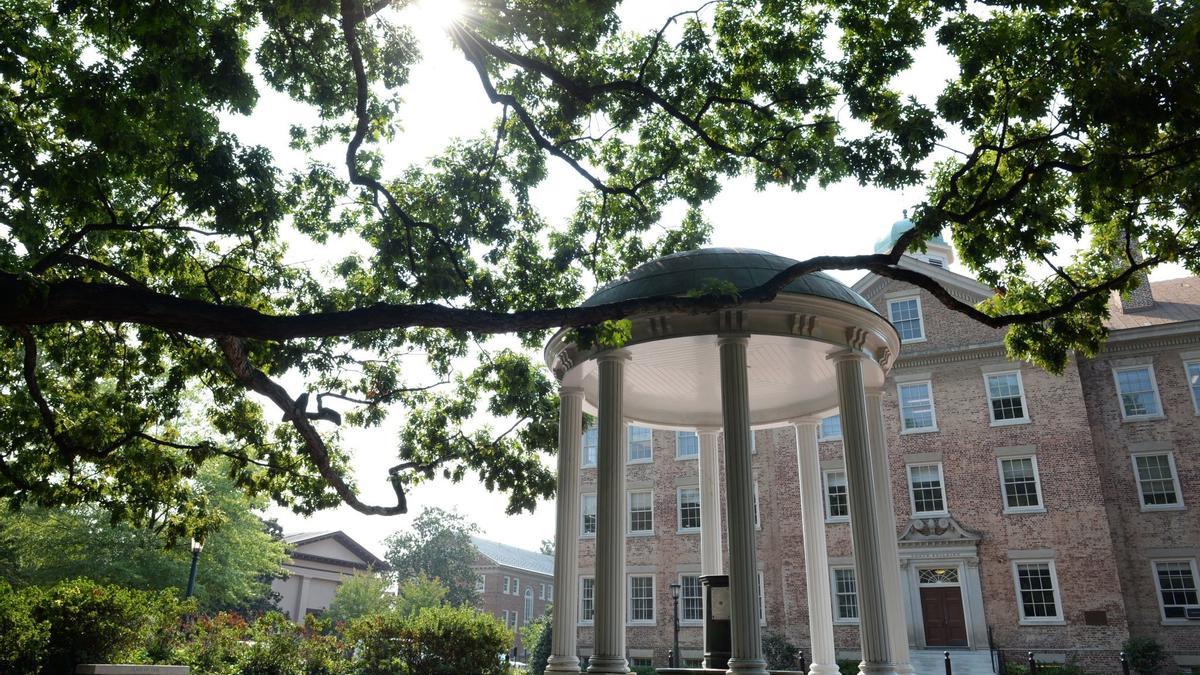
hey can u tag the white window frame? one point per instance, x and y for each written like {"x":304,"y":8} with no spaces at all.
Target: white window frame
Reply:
{"x":920,"y":317}
{"x":829,"y":517}
{"x":821,"y":429}
{"x":687,"y":457}
{"x":762,"y":599}
{"x":1137,"y":479}
{"x":1038,"y":620}
{"x":506,"y":618}
{"x":480,"y":582}
{"x":653,"y":620}
{"x":550,"y":592}
{"x":629,"y":445}
{"x":528,"y":603}
{"x":1153,"y":385}
{"x":583,"y":533}
{"x":690,"y":622}
{"x":629,"y":531}
{"x":757,"y":509}
{"x":987,"y":393}
{"x":837,"y":617}
{"x":1162,"y":609}
{"x":507,"y":585}
{"x":542,"y":592}
{"x":516,"y":586}
{"x":679,"y":528}
{"x":579,"y":620}
{"x":1187,"y":363}
{"x":583,"y":458}
{"x":1037,"y":486}
{"x":932,"y":408}
{"x":912,"y":498}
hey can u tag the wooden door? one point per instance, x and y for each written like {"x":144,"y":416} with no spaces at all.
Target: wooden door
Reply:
{"x":942,"y":610}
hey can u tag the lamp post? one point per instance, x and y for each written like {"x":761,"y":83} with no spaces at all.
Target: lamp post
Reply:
{"x":197,"y":546}
{"x":675,"y":588}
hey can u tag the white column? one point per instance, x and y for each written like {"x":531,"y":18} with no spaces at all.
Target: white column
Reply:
{"x":608,"y":654}
{"x":746,"y":640}
{"x":563,"y":658}
{"x":865,"y":508}
{"x":881,"y":479}
{"x":816,"y":558}
{"x":711,"y":561}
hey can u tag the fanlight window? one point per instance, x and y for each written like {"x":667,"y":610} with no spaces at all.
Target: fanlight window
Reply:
{"x":938,"y":576}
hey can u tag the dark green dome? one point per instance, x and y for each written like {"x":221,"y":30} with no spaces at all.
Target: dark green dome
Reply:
{"x":745,"y":268}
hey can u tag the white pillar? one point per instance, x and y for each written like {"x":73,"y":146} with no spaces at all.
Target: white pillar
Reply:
{"x":816,"y":558}
{"x":746,"y":640}
{"x":881,"y":479}
{"x":711,"y":561}
{"x":563,"y":657}
{"x":608,"y":654}
{"x":865,"y":508}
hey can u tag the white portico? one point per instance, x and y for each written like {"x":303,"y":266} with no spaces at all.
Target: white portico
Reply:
{"x":817,"y":346}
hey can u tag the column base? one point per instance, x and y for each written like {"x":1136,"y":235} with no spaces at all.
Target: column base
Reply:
{"x":608,"y":664}
{"x":905,"y":669}
{"x":877,"y":668}
{"x":563,"y":664}
{"x":747,"y":667}
{"x":823,"y":669}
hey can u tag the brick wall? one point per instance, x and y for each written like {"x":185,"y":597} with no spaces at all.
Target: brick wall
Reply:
{"x":495,"y":601}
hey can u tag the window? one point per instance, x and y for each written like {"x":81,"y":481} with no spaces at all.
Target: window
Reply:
{"x":480,"y":583}
{"x":587,"y":510}
{"x":845,"y":595}
{"x":830,"y":429}
{"x":905,"y":315}
{"x":528,"y":604}
{"x":591,"y":444}
{"x":916,"y":407}
{"x":1019,"y":482}
{"x":640,"y":447}
{"x":1176,"y":581}
{"x":925,"y":489}
{"x":641,"y":512}
{"x":1137,"y":392}
{"x":641,"y":599}
{"x":587,"y":600}
{"x":689,"y":509}
{"x":506,"y":618}
{"x":1037,"y":592}
{"x":936,"y":261}
{"x":516,"y":586}
{"x":1006,"y":398}
{"x":507,"y":584}
{"x":640,"y":662}
{"x":542,"y":592}
{"x":691,"y":599}
{"x":550,"y":592}
{"x":687,"y":444}
{"x":757,"y":522}
{"x":837,"y":501}
{"x":516,"y":618}
{"x":762,"y":601}
{"x":1158,"y":485}
{"x":1193,"y":378}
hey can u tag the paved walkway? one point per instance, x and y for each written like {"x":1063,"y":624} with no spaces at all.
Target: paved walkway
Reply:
{"x":931,"y":662}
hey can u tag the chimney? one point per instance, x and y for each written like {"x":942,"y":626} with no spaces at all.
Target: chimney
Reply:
{"x":1140,"y":297}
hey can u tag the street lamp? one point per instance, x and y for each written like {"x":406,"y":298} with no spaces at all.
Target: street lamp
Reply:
{"x":675,"y":588}
{"x":197,"y":546}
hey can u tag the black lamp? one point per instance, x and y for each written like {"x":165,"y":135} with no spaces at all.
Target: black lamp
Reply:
{"x":675,"y":590}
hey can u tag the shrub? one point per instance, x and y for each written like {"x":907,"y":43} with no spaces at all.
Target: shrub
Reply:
{"x":23,"y":640}
{"x":1146,"y":655}
{"x":778,"y":652}
{"x":437,"y":641}
{"x":213,"y":645}
{"x":643,"y":670}
{"x":360,"y":595}
{"x":274,"y":649}
{"x":848,"y":667}
{"x":540,"y":634}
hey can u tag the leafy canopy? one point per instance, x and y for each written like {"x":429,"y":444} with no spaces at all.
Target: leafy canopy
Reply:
{"x":147,"y":252}
{"x":436,"y":548}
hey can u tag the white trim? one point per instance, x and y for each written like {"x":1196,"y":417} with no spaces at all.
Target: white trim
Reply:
{"x":762,"y":599}
{"x":629,"y":531}
{"x":932,"y":407}
{"x":915,"y":295}
{"x":1153,"y":386}
{"x":629,"y":444}
{"x":987,"y":394}
{"x":629,"y":620}
{"x":912,"y":500}
{"x":1058,"y":607}
{"x":837,"y":618}
{"x":583,"y":533}
{"x":1162,"y":610}
{"x":757,"y":508}
{"x":679,"y":580}
{"x":1189,"y":359}
{"x":1037,"y":485}
{"x":825,"y":488}
{"x":686,"y":457}
{"x":579,"y":620}
{"x":1137,"y":479}
{"x":679,"y":528}
{"x":507,"y":586}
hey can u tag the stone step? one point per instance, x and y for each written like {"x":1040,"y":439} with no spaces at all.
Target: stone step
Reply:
{"x":964,"y":662}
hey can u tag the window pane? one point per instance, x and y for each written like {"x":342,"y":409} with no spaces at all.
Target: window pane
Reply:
{"x":689,"y":508}
{"x":926,"y":485}
{"x":1037,"y":590}
{"x":1177,"y":587}
{"x":639,"y":443}
{"x":1004,"y":393}
{"x":1020,"y":483}
{"x":846,"y":594}
{"x":691,"y":599}
{"x":591,"y":441}
{"x":1156,"y":479}
{"x":831,"y":427}
{"x":641,"y":598}
{"x":587,"y":605}
{"x":906,"y":317}
{"x":641,"y":512}
{"x":588,"y":509}
{"x":916,"y":406}
{"x":687,"y":444}
{"x":1136,"y":390}
{"x":837,"y":501}
{"x":1193,"y":376}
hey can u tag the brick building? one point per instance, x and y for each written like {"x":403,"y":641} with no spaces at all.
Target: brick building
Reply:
{"x":515,"y":585}
{"x":1051,"y":510}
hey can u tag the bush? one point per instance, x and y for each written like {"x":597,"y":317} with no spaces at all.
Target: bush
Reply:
{"x":23,"y":640}
{"x":778,"y":652}
{"x":540,"y":634}
{"x":643,"y":670}
{"x":213,"y":645}
{"x":437,"y":641}
{"x":848,"y":667}
{"x":360,"y":595}
{"x":1145,"y":655}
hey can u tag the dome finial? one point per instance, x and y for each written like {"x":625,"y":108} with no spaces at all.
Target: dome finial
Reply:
{"x":905,"y":212}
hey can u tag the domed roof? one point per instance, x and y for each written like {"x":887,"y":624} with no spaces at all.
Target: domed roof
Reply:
{"x":679,"y":273}
{"x":900,"y":227}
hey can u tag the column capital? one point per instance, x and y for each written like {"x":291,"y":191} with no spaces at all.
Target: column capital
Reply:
{"x":847,"y":355}
{"x":733,"y":339}
{"x":874,"y":392}
{"x":619,"y":355}
{"x":805,"y":420}
{"x":705,"y":431}
{"x":570,"y":392}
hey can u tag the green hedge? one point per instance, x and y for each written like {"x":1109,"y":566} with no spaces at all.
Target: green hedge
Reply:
{"x":437,"y":641}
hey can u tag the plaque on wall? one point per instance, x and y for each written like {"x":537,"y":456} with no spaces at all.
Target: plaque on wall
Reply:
{"x":720,"y":603}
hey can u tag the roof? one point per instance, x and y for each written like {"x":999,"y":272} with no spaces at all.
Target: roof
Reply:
{"x":680,"y":273}
{"x":898,"y":228}
{"x":1175,"y":301}
{"x":517,"y":558}
{"x":373,"y":561}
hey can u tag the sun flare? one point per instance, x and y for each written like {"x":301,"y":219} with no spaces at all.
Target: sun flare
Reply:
{"x":440,"y":13}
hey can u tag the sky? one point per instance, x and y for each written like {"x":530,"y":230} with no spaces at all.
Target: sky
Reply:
{"x":444,"y":100}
